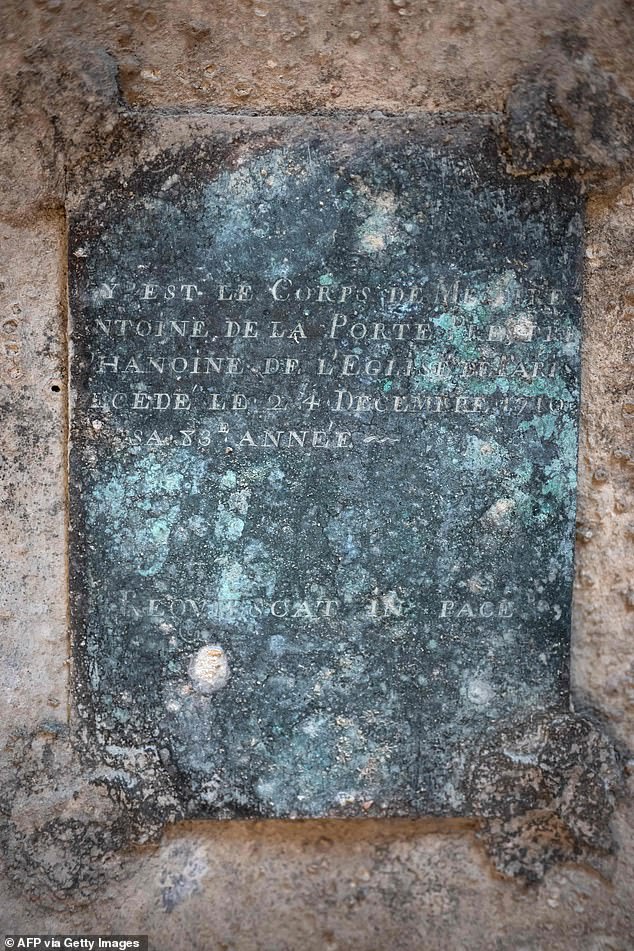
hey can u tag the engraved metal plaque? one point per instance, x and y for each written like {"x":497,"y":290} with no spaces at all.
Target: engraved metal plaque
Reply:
{"x":322,"y":481}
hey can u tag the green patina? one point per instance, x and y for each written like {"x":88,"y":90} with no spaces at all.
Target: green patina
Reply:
{"x":371,"y":572}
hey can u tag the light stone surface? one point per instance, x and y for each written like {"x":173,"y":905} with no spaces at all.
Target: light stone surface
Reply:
{"x":278,"y":885}
{"x":603,"y":604}
{"x":33,"y":643}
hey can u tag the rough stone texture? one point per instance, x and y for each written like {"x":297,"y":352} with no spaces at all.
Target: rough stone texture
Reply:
{"x":569,"y":116}
{"x":34,"y":643}
{"x":338,"y":884}
{"x":545,"y":791}
{"x":603,"y":656}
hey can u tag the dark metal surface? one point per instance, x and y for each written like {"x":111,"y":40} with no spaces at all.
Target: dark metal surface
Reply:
{"x":325,"y":385}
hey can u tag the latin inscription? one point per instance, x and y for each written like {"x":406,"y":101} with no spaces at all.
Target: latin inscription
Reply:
{"x":324,"y":429}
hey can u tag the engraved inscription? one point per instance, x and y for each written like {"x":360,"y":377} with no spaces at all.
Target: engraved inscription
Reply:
{"x":323,"y":467}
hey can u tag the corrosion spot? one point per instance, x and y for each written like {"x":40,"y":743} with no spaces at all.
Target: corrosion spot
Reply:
{"x":209,"y":669}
